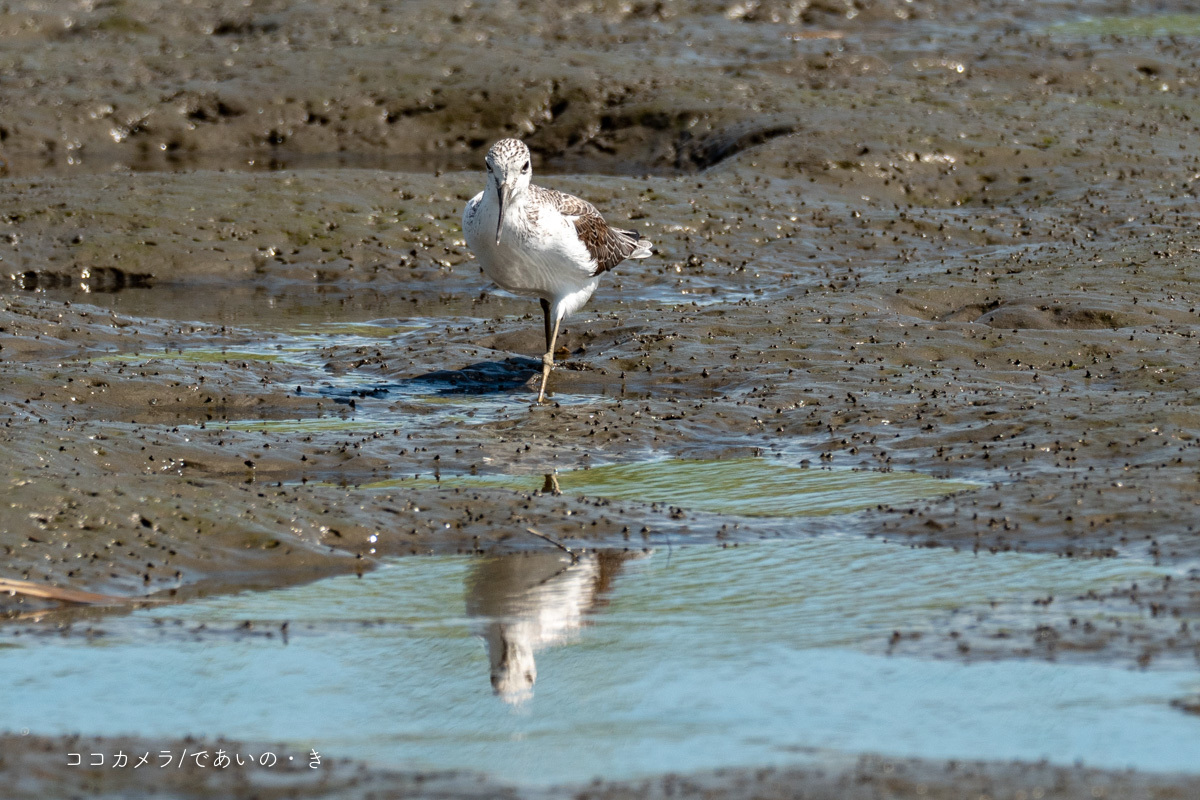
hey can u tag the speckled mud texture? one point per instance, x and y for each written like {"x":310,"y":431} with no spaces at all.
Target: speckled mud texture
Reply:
{"x":866,"y":778}
{"x":958,"y":238}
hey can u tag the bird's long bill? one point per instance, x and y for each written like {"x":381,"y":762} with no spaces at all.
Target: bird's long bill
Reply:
{"x":502,"y":194}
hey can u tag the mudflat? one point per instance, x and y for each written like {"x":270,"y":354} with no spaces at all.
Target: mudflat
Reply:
{"x":952,"y":238}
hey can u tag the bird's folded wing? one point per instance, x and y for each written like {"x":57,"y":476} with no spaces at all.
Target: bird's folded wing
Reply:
{"x":608,"y":246}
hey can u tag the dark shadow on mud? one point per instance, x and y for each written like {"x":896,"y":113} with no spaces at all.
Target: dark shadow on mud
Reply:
{"x":698,"y":154}
{"x":635,"y":145}
{"x":485,"y":377}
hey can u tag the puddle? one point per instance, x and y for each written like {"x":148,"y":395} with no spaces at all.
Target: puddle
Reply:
{"x":752,"y":487}
{"x":306,"y":344}
{"x":1153,"y":25}
{"x":537,"y":670}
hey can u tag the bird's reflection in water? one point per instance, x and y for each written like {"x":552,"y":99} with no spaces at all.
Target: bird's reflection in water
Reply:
{"x":527,"y":602}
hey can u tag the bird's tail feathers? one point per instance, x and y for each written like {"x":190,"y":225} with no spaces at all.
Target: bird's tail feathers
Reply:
{"x":644,"y":249}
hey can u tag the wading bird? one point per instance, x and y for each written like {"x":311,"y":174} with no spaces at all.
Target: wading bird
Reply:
{"x":540,"y":242}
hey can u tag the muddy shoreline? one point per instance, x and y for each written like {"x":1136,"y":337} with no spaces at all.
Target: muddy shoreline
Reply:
{"x":845,"y":778}
{"x":950,"y":239}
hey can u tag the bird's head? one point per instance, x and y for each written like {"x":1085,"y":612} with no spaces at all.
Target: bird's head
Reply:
{"x":509,"y":174}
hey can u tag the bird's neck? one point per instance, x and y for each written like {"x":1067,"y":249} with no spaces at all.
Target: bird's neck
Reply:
{"x":517,"y":200}
{"x":514,"y":208}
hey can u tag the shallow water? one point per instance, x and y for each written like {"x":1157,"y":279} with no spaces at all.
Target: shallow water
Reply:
{"x":752,"y":487}
{"x":268,"y":309}
{"x":1151,"y":25}
{"x":618,"y":665}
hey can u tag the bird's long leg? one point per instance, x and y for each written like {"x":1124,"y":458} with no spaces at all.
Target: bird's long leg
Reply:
{"x":548,"y":360}
{"x":546,"y":319}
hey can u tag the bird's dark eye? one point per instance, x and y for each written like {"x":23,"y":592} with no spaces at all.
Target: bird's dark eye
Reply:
{"x":489,"y":167}
{"x":526,"y":167}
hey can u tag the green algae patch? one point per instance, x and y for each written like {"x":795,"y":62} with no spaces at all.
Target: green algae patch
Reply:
{"x":752,"y":487}
{"x":755,"y":487}
{"x":195,"y":356}
{"x":1155,"y":25}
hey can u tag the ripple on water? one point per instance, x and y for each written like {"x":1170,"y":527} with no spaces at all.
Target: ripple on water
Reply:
{"x":754,"y":487}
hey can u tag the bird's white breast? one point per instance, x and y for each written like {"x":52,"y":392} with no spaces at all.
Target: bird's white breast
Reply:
{"x":540,"y":253}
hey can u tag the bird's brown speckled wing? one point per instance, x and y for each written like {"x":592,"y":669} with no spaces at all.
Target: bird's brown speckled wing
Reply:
{"x":608,"y":246}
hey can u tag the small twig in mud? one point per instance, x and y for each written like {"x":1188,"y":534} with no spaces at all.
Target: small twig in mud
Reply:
{"x":574,"y":556}
{"x":31,"y":589}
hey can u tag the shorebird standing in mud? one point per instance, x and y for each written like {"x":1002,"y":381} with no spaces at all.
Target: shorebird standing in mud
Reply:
{"x":540,"y":242}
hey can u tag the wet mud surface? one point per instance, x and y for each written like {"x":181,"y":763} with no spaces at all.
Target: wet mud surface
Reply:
{"x":954,"y":239}
{"x":866,"y":777}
